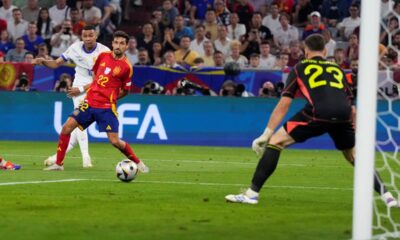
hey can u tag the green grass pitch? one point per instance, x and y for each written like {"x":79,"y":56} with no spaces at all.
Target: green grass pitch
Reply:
{"x":308,"y":197}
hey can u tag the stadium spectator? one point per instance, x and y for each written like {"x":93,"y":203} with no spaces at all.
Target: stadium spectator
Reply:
{"x":315,"y":26}
{"x":347,"y":26}
{"x":386,"y":7}
{"x":197,"y":43}
{"x":340,"y":58}
{"x":235,"y":30}
{"x":106,"y":26}
{"x":300,"y":13}
{"x":169,"y":13}
{"x":352,"y":49}
{"x":188,"y":13}
{"x":169,"y":44}
{"x":392,"y":28}
{"x":256,"y":23}
{"x":2,"y":57}
{"x":5,"y":42}
{"x":272,"y":20}
{"x":395,"y":41}
{"x":6,"y":11}
{"x":267,"y":60}
{"x":18,"y":27}
{"x":245,"y":10}
{"x":155,"y":20}
{"x":143,"y":58}
{"x":7,"y":165}
{"x":219,"y":59}
{"x":285,"y":5}
{"x":22,"y":83}
{"x":333,"y":11}
{"x":228,"y":89}
{"x":91,"y":14}
{"x":296,"y":54}
{"x":222,"y":12}
{"x":17,"y":54}
{"x":170,"y":60}
{"x":281,"y":63}
{"x":132,"y":52}
{"x":330,"y":44}
{"x":252,"y":43}
{"x":181,"y":29}
{"x":59,"y":13}
{"x":31,"y":39}
{"x":211,"y":25}
{"x":31,"y":10}
{"x":29,"y":56}
{"x":267,"y":90}
{"x":76,"y":21}
{"x":146,"y":39}
{"x":63,"y":39}
{"x":208,"y":56}
{"x":235,"y":55}
{"x":43,"y":51}
{"x":199,"y":8}
{"x":198,"y":63}
{"x":64,"y":83}
{"x":184,"y":56}
{"x":254,"y":61}
{"x":45,"y":25}
{"x":3,"y":24}
{"x":157,"y":54}
{"x":285,"y":33}
{"x":222,"y":44}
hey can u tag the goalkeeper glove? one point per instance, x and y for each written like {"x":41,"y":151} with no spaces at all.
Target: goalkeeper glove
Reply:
{"x":259,"y":144}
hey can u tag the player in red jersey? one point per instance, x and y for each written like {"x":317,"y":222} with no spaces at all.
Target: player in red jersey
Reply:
{"x":112,"y":81}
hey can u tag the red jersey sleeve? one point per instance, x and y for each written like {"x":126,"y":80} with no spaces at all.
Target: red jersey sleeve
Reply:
{"x":127,"y":81}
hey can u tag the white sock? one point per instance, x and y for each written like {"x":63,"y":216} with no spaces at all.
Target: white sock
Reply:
{"x":250,"y":193}
{"x":83,"y":141}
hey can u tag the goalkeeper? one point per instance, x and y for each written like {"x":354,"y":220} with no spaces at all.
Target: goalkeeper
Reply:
{"x":329,"y":109}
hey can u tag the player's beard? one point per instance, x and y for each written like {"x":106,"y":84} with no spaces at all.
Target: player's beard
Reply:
{"x":118,"y":53}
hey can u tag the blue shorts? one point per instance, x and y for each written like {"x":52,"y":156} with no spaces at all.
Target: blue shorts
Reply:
{"x":105,"y":118}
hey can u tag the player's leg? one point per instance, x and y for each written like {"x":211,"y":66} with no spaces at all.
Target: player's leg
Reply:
{"x":7,"y":165}
{"x":126,"y":150}
{"x":81,"y":118}
{"x":108,"y":122}
{"x":379,"y":187}
{"x":298,"y":129}
{"x":343,"y":136}
{"x":82,"y":137}
{"x":72,"y":142}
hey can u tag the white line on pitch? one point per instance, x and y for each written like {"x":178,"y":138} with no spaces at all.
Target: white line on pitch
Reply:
{"x":41,"y":182}
{"x":176,"y":183}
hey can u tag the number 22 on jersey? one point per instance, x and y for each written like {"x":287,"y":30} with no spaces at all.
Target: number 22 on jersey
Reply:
{"x":314,"y":71}
{"x":102,"y":80}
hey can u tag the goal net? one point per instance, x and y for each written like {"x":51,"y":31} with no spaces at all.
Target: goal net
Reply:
{"x":386,"y":221}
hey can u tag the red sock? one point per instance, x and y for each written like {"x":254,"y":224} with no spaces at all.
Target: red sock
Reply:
{"x":128,"y":152}
{"x":63,"y":142}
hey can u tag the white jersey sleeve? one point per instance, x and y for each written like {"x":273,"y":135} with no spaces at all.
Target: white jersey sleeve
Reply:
{"x":84,"y":61}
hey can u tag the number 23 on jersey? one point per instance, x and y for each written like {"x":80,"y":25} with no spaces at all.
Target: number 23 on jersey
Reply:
{"x":315,"y":71}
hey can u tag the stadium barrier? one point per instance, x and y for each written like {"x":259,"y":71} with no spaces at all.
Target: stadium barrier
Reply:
{"x":183,"y":120}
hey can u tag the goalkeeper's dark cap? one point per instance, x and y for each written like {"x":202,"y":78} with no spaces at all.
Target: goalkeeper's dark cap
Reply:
{"x":315,"y":42}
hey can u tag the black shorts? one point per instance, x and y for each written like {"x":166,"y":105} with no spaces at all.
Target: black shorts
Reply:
{"x":300,"y":128}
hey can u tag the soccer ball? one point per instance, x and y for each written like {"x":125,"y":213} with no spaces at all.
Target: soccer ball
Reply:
{"x":126,"y":170}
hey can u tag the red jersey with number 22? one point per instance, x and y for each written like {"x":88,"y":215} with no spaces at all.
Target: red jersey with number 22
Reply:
{"x":110,"y":76}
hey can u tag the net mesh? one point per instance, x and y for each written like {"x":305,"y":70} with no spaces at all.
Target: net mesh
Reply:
{"x":386,"y":223}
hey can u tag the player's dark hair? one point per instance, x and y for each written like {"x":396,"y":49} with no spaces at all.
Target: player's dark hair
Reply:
{"x":89,"y":27}
{"x":315,"y":42}
{"x":121,"y":34}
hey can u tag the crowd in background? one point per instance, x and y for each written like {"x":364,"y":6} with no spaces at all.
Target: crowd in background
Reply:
{"x":255,"y":34}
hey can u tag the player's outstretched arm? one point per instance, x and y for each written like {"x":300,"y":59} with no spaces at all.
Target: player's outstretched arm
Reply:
{"x":49,"y":63}
{"x":276,"y":118}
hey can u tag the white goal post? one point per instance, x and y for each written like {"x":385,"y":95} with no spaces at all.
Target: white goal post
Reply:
{"x":366,"y":119}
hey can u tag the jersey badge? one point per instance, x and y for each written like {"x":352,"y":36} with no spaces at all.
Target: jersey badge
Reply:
{"x":103,"y":64}
{"x":116,"y":71}
{"x":107,"y":70}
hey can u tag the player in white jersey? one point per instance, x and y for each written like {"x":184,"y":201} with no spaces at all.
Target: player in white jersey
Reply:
{"x":83,"y":54}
